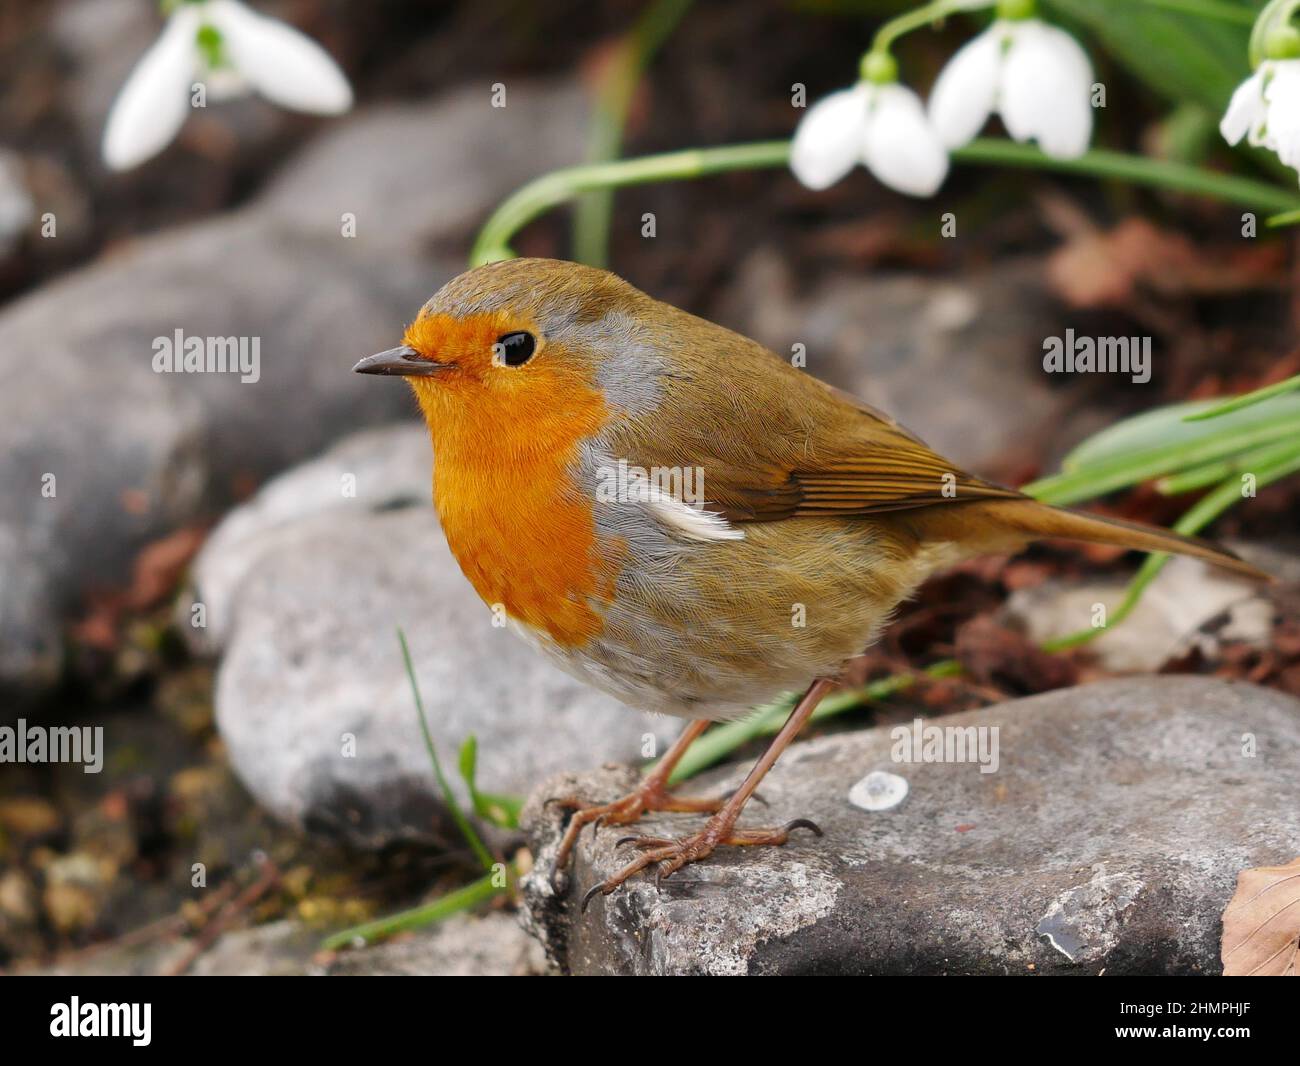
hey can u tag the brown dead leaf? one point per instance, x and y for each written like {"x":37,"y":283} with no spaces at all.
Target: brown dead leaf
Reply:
{"x":160,"y":564}
{"x":1102,"y":268}
{"x":154,"y":575}
{"x":995,"y":655}
{"x":1261,"y":925}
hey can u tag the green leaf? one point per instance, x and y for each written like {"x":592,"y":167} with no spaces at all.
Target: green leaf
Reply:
{"x":469,"y":761}
{"x":1247,"y":400}
{"x":458,"y":816}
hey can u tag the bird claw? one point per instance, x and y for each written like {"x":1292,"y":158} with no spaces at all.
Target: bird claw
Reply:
{"x":669,"y":856}
{"x":590,"y":895}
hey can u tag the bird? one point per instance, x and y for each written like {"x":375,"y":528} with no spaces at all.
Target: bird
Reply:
{"x":679,"y":517}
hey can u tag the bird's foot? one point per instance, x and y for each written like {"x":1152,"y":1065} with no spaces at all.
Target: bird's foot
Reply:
{"x":650,"y":795}
{"x":671,"y":855}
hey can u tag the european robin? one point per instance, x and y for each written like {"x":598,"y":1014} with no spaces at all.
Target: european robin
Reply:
{"x":679,"y":517}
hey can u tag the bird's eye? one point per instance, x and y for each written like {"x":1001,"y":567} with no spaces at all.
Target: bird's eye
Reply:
{"x":514,"y":349}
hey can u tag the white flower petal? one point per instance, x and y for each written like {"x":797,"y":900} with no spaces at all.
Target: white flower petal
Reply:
{"x":153,"y":104}
{"x":1047,"y":89}
{"x":285,"y":66}
{"x":900,"y":146}
{"x":226,"y":83}
{"x":1245,"y":109}
{"x":828,"y":140}
{"x":1282,"y":124}
{"x":966,"y":90}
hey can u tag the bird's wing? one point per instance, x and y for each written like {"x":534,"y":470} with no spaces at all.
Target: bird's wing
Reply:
{"x":876,"y":470}
{"x":771,"y":442}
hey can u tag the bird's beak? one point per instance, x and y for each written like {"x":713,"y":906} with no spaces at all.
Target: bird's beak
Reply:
{"x":402,"y":360}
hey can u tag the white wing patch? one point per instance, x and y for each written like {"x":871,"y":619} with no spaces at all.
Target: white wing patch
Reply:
{"x":690,"y":521}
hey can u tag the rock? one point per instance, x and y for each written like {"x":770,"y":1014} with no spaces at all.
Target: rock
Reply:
{"x":941,"y":356}
{"x":305,"y":588}
{"x":1108,"y":839}
{"x":17,"y":210}
{"x":493,"y":945}
{"x":1188,"y":603}
{"x":375,"y":470}
{"x":100,"y":454}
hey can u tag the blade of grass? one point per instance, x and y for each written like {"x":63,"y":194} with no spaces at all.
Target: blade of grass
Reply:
{"x":1205,"y":511}
{"x":1248,"y":399}
{"x":605,"y":135}
{"x":462,"y":899}
{"x":1247,"y":462}
{"x":1127,"y":470}
{"x":722,"y":740}
{"x":458,"y":816}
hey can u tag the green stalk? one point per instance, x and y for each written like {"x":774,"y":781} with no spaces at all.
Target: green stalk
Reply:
{"x":605,"y":136}
{"x":467,"y":831}
{"x":1107,"y":476}
{"x":1276,"y":15}
{"x":1286,"y":218}
{"x":1199,"y":477}
{"x":462,"y":899}
{"x":547,"y":191}
{"x":721,"y":741}
{"x":1136,"y":169}
{"x":1205,"y":511}
{"x":1247,"y":400}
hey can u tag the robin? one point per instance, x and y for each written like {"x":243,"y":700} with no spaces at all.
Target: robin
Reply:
{"x":679,"y":517}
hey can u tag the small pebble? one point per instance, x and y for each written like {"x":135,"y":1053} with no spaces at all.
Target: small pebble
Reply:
{"x":878,"y":791}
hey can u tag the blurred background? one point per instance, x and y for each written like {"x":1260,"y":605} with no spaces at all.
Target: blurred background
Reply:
{"x":263,"y":781}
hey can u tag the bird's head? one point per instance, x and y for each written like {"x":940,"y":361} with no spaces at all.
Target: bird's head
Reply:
{"x":533,"y":353}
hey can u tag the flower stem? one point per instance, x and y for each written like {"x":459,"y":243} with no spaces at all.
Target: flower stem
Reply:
{"x":1136,"y":169}
{"x":919,"y":18}
{"x":559,"y":186}
{"x":605,"y":135}
{"x":1277,"y":14}
{"x":545,"y":192}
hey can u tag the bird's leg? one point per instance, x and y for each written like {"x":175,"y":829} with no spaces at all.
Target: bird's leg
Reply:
{"x":672,"y":855}
{"x":651,"y":795}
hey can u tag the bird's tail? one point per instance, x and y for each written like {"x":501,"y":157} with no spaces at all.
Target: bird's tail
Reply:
{"x":1007,"y":525}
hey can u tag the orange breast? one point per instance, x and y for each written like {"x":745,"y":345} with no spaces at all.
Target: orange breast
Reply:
{"x":520,"y":526}
{"x":526,"y":539}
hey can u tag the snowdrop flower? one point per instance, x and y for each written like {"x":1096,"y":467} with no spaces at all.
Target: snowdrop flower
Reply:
{"x":1037,"y":77}
{"x":1266,"y":110}
{"x":879,"y":124}
{"x":234,"y":50}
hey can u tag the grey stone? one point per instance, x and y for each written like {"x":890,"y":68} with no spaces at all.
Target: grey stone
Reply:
{"x":959,"y":361}
{"x":1188,"y":604}
{"x":492,"y":945}
{"x":136,"y":453}
{"x":375,"y":470}
{"x":1109,"y":838}
{"x":305,"y":589}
